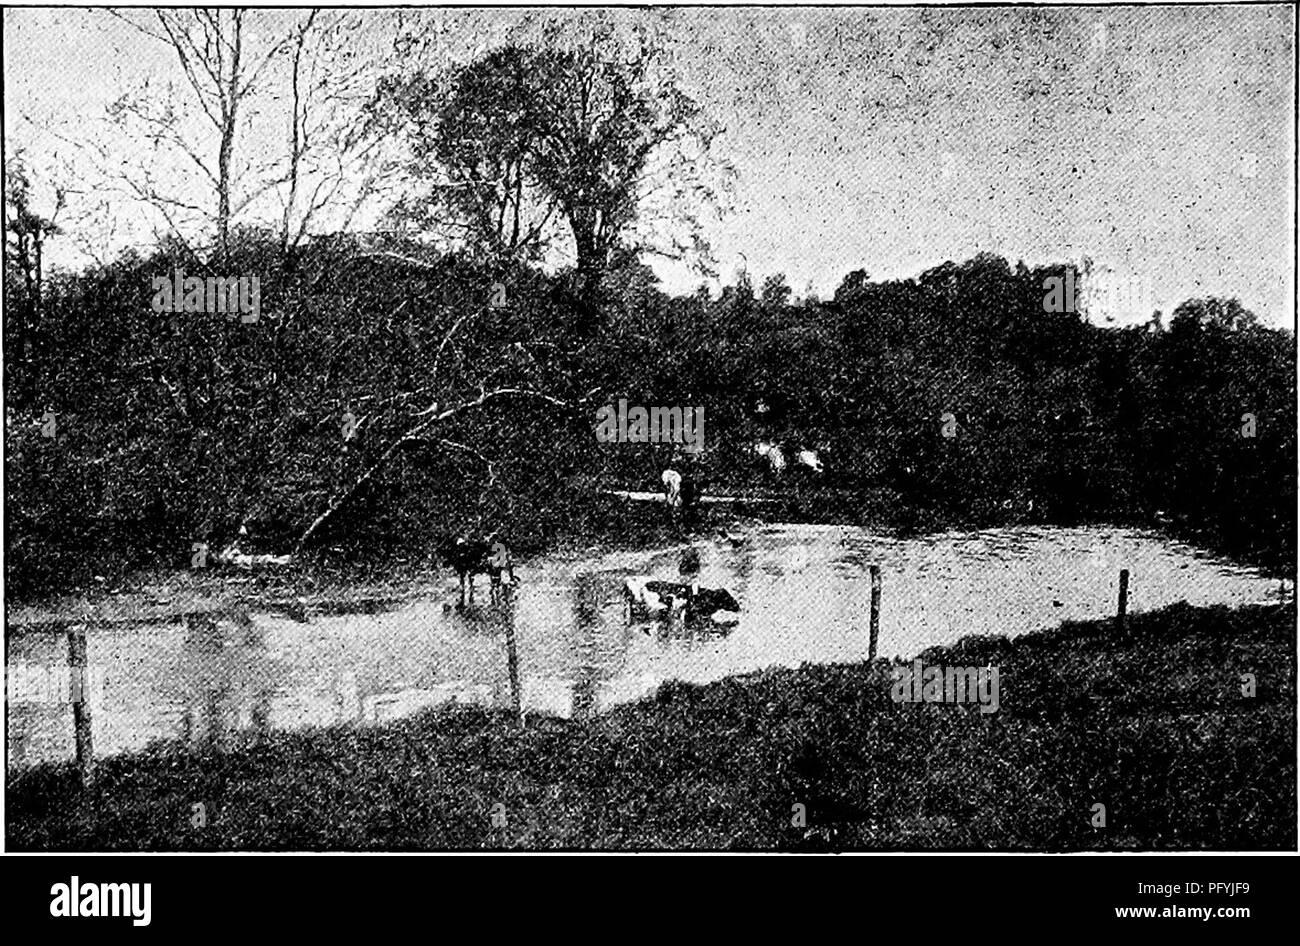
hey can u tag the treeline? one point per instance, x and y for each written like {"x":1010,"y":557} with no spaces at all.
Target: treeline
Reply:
{"x":960,"y":397}
{"x":395,"y":389}
{"x":171,"y":429}
{"x":388,"y":396}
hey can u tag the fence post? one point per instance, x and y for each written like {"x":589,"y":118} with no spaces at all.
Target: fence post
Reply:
{"x":79,"y":686}
{"x":1123,"y":599}
{"x":875,"y":611}
{"x":512,"y":664}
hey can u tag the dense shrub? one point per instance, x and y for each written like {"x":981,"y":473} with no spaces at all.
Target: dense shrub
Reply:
{"x":176,"y":427}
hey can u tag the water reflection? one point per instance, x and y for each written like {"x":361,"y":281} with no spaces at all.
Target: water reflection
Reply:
{"x":504,"y":614}
{"x":586,"y":620}
{"x":560,"y":644}
{"x":224,"y":686}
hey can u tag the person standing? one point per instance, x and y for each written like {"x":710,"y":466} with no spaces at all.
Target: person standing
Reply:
{"x":689,"y":570}
{"x":672,"y":481}
{"x":500,"y":568}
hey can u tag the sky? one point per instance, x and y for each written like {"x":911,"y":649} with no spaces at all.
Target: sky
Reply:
{"x":1156,"y":141}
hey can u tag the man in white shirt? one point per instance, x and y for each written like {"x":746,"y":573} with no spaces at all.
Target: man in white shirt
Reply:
{"x":673,"y":489}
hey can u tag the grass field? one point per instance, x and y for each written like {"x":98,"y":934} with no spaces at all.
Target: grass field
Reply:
{"x":1152,"y":725}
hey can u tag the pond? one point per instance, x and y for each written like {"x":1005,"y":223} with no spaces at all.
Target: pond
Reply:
{"x":215,"y":678}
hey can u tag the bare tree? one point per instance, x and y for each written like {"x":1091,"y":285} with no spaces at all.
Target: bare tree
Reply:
{"x":333,"y":155}
{"x":222,"y":75}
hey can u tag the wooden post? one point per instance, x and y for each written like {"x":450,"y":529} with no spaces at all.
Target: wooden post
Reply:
{"x":79,"y":687}
{"x":512,"y":665}
{"x":875,"y":611}
{"x":1123,"y":599}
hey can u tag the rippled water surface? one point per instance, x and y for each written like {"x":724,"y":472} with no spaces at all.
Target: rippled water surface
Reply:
{"x":804,"y":591}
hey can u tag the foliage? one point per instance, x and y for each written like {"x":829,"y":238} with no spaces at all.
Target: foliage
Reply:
{"x":173,"y":428}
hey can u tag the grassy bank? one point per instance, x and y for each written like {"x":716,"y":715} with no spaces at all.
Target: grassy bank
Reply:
{"x":1153,"y":726}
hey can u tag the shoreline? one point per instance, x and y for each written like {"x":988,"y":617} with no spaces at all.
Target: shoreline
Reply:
{"x":368,"y":576}
{"x":1135,"y":722}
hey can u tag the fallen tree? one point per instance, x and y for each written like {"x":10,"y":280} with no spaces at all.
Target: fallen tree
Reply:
{"x":432,"y":417}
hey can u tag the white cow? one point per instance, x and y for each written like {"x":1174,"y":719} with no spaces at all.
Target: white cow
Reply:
{"x":772,"y":453}
{"x":810,"y":459}
{"x":656,"y":598}
{"x":670,"y":600}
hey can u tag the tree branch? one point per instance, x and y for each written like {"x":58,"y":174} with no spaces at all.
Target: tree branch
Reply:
{"x":414,"y":434}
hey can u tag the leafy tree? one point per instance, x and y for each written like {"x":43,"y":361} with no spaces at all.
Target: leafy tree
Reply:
{"x":474,"y":138}
{"x":776,"y":292}
{"x":599,"y":136}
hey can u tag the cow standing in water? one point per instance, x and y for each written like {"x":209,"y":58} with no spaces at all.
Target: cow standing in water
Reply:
{"x":468,"y":556}
{"x":773,"y":454}
{"x":810,"y":459}
{"x":806,"y":458}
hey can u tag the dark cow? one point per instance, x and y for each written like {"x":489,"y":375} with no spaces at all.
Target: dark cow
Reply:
{"x":468,"y":556}
{"x":708,"y":601}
